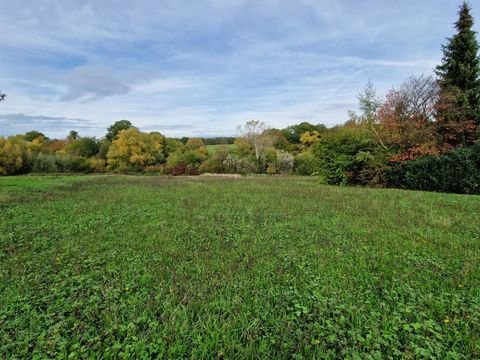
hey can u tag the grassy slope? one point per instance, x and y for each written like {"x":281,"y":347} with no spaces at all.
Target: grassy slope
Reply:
{"x":213,"y":148}
{"x":269,"y":267}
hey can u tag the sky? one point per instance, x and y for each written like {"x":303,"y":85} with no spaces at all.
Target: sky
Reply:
{"x":204,"y":67}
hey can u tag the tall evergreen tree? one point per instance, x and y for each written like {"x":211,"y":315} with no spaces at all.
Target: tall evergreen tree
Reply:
{"x":459,"y":80}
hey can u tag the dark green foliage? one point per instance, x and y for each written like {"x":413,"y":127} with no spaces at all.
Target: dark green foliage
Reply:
{"x":121,"y":267}
{"x":44,"y":163}
{"x":60,"y":163}
{"x":85,"y":146}
{"x":118,"y":126}
{"x":460,"y":68}
{"x":348,"y":156}
{"x":455,"y":172}
{"x":223,"y":140}
{"x":216,"y":161}
{"x":71,"y":164}
{"x":103,"y":146}
{"x":32,"y":135}
{"x":292,"y":133}
{"x":72,"y":135}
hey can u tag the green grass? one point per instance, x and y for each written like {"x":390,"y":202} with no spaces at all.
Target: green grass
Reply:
{"x":158,"y":267}
{"x":213,"y":148}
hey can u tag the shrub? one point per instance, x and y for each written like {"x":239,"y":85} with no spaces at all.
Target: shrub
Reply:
{"x":285,"y":162}
{"x":456,"y":172}
{"x":43,"y":163}
{"x":215,"y":163}
{"x":344,"y":154}
{"x":97,"y":165}
{"x":154,"y":170}
{"x":186,"y":160}
{"x":306,"y":163}
{"x":67,"y":163}
{"x":272,"y":170}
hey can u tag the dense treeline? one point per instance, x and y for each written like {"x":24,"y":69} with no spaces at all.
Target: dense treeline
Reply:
{"x":422,"y":135}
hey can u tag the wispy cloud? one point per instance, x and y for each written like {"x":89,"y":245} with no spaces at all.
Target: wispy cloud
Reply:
{"x":19,"y":123}
{"x":203,"y":67}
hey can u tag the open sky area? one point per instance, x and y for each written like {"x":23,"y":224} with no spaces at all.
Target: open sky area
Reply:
{"x":203,"y":67}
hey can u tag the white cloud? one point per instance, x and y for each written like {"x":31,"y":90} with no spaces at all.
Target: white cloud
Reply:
{"x":91,"y":82}
{"x":203,"y":67}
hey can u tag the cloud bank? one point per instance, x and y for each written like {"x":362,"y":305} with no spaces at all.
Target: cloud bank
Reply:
{"x":200,"y":68}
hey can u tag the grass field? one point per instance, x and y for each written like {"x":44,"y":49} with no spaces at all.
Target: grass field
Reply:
{"x":145,"y":267}
{"x":213,"y":148}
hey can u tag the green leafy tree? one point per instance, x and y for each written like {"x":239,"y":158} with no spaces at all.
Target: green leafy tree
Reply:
{"x":293,"y":132}
{"x":459,"y":77}
{"x":116,"y":127}
{"x":72,"y":135}
{"x":34,"y":134}
{"x":85,"y":146}
{"x":349,"y":156}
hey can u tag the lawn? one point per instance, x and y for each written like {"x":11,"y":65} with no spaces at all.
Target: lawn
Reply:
{"x":267,"y":267}
{"x":212,"y":149}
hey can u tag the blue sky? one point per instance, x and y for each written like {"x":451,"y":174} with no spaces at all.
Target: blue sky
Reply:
{"x":203,"y":67}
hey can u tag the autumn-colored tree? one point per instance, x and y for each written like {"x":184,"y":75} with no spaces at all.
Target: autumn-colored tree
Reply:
{"x":186,"y":160}
{"x":402,"y":129}
{"x":195,"y":143}
{"x":55,"y":146}
{"x":11,"y":155}
{"x":405,"y":120}
{"x":38,"y":144}
{"x":308,"y":138}
{"x":132,"y":150}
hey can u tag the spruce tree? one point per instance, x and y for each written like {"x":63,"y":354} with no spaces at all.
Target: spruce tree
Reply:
{"x":459,"y":73}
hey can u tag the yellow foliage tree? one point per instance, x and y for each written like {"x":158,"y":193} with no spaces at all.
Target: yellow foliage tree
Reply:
{"x":11,"y":159}
{"x":195,"y":143}
{"x":133,"y":150}
{"x":308,"y":138}
{"x":37,"y":144}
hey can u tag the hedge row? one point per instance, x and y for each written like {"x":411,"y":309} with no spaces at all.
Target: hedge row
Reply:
{"x":455,"y":172}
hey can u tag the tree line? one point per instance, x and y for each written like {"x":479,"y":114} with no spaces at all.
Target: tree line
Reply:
{"x":424,"y":134}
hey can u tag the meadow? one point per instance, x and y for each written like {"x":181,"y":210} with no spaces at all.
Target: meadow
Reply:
{"x":254,"y":267}
{"x":212,"y":149}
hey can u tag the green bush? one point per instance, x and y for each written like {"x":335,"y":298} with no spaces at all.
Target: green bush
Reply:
{"x":349,"y":156}
{"x":43,"y":163}
{"x":76,"y":164}
{"x":455,"y":172}
{"x":85,"y":147}
{"x":306,"y":163}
